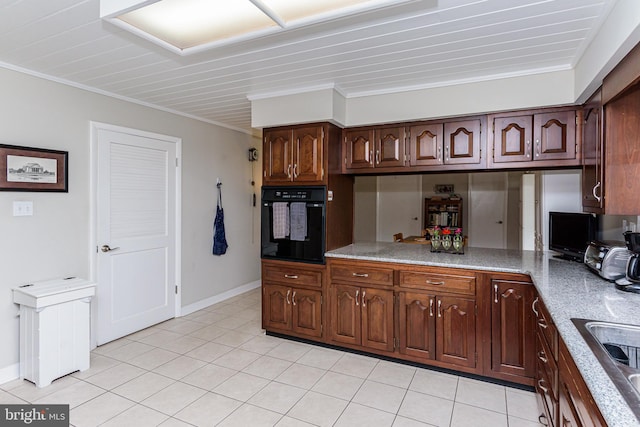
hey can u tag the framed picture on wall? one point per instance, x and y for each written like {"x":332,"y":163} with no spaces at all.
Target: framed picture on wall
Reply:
{"x":33,"y":169}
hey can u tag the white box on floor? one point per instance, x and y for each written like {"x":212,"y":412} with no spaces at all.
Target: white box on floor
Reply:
{"x":55,"y":320}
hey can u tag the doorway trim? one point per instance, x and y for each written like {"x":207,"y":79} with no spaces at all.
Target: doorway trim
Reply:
{"x":95,"y":127}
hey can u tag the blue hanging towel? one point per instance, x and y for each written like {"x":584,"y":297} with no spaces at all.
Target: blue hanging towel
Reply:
{"x":219,"y":239}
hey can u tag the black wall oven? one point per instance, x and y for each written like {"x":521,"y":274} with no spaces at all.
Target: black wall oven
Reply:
{"x":293,"y":223}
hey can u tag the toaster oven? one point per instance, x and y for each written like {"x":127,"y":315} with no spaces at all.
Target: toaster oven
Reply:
{"x":607,"y":258}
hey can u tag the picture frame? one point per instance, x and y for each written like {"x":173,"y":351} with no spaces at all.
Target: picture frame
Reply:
{"x":33,"y":169}
{"x":443,"y":188}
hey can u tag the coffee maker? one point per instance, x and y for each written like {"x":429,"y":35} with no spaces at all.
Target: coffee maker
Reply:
{"x":631,"y":283}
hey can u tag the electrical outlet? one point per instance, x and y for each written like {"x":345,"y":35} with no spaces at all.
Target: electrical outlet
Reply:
{"x":21,"y":208}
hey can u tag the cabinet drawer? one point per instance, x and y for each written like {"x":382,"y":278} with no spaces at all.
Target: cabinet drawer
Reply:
{"x":291,"y":276}
{"x":438,"y":282}
{"x":545,"y":327}
{"x":356,"y":273}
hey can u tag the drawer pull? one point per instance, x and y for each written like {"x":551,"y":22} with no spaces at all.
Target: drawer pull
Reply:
{"x":543,"y":388}
{"x":288,"y":293}
{"x":542,"y":356}
{"x":533,"y":307}
{"x":290,"y":276}
{"x":430,"y":282}
{"x":357,"y":294}
{"x":360,"y":275}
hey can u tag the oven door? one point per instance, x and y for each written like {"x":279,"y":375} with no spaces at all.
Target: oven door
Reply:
{"x":311,"y":249}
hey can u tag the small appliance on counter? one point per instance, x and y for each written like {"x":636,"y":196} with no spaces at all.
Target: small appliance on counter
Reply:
{"x":631,"y":282}
{"x":608,"y":258}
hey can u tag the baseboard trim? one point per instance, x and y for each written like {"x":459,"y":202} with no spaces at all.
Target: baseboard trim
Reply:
{"x":10,"y":373}
{"x":191,"y":308}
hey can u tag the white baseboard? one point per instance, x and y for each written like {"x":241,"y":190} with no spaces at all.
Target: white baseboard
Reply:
{"x":10,"y":373}
{"x":191,"y":308}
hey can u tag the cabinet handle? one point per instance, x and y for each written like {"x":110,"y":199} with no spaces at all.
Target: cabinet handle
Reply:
{"x":528,"y":148}
{"x":357,"y":293}
{"x":377,"y":157}
{"x":429,"y":282}
{"x":533,"y":307}
{"x":431,"y":307}
{"x":543,"y":324}
{"x":360,"y":274}
{"x":371,"y":156}
{"x":543,"y":388}
{"x":293,"y":298}
{"x":537,"y":147}
{"x":289,"y":171}
{"x":290,"y":276}
{"x":439,"y":308}
{"x":362,"y":299}
{"x":595,"y":187}
{"x":295,"y":171}
{"x":288,"y":293}
{"x":542,"y":356}
{"x":440,"y":154}
{"x":495,"y":293}
{"x":446,"y":150}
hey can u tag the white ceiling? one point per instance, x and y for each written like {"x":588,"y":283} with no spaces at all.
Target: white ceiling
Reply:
{"x":423,"y":43}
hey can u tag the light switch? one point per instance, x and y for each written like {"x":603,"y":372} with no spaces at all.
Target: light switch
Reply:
{"x":22,"y":208}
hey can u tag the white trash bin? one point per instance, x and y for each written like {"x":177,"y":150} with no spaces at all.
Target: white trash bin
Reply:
{"x":55,"y":320}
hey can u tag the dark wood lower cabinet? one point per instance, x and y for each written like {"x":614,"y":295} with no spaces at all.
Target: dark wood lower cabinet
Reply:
{"x":417,"y":325}
{"x":362,"y":317}
{"x":292,"y":310}
{"x":456,"y":331}
{"x":512,"y":329}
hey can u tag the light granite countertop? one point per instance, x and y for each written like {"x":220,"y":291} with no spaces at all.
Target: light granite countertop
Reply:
{"x":567,"y":288}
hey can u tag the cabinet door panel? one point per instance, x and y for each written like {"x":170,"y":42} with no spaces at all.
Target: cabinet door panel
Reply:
{"x":345,"y":314}
{"x":390,"y":147}
{"x":417,"y":325}
{"x":456,"y":331}
{"x":307,"y":153}
{"x":359,"y":149}
{"x":555,"y":135}
{"x":512,"y":139}
{"x":512,"y":328}
{"x":425,"y":145}
{"x":306,"y":306}
{"x":592,"y":200}
{"x":377,"y":318}
{"x":462,"y":142}
{"x":276,"y":307}
{"x":277,"y":156}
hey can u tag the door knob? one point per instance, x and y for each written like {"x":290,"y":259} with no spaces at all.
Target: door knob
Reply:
{"x":106,"y":248}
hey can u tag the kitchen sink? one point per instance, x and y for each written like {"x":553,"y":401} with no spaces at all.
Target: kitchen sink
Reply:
{"x":617,"y":348}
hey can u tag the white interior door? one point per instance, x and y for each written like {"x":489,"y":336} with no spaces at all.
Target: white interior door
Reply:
{"x":488,"y":210}
{"x":399,"y":206}
{"x":136,"y":231}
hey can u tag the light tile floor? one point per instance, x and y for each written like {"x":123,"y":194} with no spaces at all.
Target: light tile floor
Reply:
{"x":216,"y":367}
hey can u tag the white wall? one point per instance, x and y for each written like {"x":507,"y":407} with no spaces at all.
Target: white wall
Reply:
{"x":561,"y":192}
{"x":54,"y":242}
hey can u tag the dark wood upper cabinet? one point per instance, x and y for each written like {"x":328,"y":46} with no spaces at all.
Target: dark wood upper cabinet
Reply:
{"x":592,"y":156}
{"x":462,"y":142}
{"x":377,"y":147}
{"x":544,"y":138}
{"x":294,"y":155}
{"x":389,"y":147}
{"x":359,"y":149}
{"x":426,"y":144}
{"x":276,"y":159}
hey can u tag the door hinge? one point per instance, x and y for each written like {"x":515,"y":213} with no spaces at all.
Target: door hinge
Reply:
{"x":177,"y":162}
{"x":476,"y":309}
{"x":476,"y":358}
{"x":396,"y":343}
{"x":176,"y":289}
